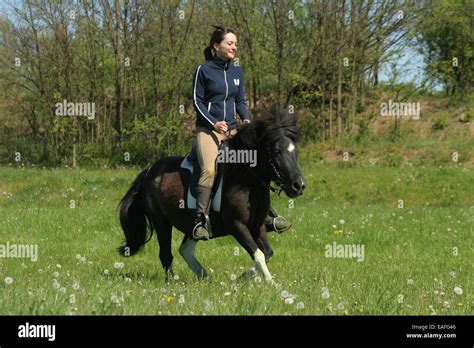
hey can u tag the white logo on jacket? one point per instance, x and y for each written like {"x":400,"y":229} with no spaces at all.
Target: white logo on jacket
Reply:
{"x":236,"y":82}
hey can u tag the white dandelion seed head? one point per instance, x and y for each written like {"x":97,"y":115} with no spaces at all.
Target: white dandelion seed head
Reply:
{"x":114,"y":299}
{"x":325,"y":295}
{"x":285,"y":294}
{"x":436,"y":292}
{"x":400,"y":298}
{"x":76,"y":285}
{"x":176,"y":277}
{"x":78,"y":256}
{"x":233,"y":277}
{"x":452,"y":274}
{"x":334,"y":226}
{"x":8,"y":280}
{"x":300,"y":305}
{"x":410,"y":281}
{"x":342,"y":222}
{"x":56,"y":285}
{"x":119,"y":265}
{"x":106,"y":271}
{"x":458,"y":290}
{"x":257,"y":279}
{"x":63,"y":290}
{"x":56,"y":274}
{"x":83,"y":259}
{"x":289,"y":300}
{"x":72,"y":298}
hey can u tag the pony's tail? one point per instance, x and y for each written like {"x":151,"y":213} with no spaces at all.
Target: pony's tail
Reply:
{"x":133,"y":217}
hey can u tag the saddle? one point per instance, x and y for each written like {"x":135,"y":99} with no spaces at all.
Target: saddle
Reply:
{"x":191,"y":163}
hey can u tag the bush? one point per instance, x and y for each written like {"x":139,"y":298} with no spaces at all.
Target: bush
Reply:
{"x":441,"y":122}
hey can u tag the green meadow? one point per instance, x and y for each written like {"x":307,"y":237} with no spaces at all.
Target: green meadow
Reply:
{"x":413,"y":223}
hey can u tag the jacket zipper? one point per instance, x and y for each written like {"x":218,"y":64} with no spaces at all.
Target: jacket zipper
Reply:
{"x":226,"y":91}
{"x":209,"y":106}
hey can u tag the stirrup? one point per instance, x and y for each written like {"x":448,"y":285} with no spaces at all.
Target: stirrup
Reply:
{"x":283,"y":229}
{"x":203,"y":225}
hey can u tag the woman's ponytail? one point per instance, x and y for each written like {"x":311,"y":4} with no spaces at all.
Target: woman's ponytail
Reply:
{"x":208,"y":53}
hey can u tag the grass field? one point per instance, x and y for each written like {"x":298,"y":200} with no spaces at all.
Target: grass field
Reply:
{"x":414,"y":222}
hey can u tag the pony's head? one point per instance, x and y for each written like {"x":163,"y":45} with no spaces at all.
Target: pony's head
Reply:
{"x":274,"y":135}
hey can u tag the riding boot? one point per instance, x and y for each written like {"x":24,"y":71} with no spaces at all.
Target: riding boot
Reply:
{"x":203,"y":203}
{"x":275,"y":222}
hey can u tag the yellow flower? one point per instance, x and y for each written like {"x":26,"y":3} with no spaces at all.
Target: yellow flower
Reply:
{"x":169,"y":298}
{"x":338,"y":232}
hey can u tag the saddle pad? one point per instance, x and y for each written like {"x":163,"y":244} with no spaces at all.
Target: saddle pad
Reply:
{"x":195,"y":170}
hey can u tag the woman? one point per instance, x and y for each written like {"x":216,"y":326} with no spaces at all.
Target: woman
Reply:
{"x":219,"y":95}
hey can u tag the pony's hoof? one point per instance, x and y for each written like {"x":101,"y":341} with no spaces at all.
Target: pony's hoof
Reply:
{"x":250,"y":273}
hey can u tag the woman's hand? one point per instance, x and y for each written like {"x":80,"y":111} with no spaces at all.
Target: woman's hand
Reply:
{"x":221,"y":127}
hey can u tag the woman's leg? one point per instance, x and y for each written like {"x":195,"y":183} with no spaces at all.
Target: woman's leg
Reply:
{"x":207,"y":146}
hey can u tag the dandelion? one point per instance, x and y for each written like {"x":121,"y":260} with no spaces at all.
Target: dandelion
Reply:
{"x":300,"y":305}
{"x":106,"y":271}
{"x":289,"y":300}
{"x":114,"y":299}
{"x":257,"y":279}
{"x":400,"y":298}
{"x":436,"y":292}
{"x":176,"y":277}
{"x":334,"y":226}
{"x":446,"y":304}
{"x":342,"y":222}
{"x":128,"y":280}
{"x":76,"y":285}
{"x":78,"y":257}
{"x":56,"y":274}
{"x":8,"y":280}
{"x":58,"y":265}
{"x":227,"y":293}
{"x":119,"y":265}
{"x":63,"y":290}
{"x":181,"y":299}
{"x":72,"y":299}
{"x":83,"y":259}
{"x":56,"y":285}
{"x":326,"y":295}
{"x":410,"y":281}
{"x":458,"y":290}
{"x":452,"y":274}
{"x":340,"y":306}
{"x":233,"y":277}
{"x":285,"y":294}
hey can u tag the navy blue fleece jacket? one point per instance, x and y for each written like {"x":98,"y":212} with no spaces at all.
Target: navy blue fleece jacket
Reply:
{"x":219,"y":93}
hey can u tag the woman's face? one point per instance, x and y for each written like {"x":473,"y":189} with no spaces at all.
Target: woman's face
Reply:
{"x":228,"y":47}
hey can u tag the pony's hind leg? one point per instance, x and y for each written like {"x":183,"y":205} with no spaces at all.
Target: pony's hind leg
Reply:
{"x":188,"y":252}
{"x":163,"y":231}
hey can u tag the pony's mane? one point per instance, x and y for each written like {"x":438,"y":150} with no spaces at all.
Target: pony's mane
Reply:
{"x":267,"y":128}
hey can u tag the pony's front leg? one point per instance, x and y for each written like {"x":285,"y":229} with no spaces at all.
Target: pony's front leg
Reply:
{"x":244,"y":237}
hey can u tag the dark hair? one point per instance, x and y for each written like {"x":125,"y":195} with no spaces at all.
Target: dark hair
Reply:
{"x":217,"y":37}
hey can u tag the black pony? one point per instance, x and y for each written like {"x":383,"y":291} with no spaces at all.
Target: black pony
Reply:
{"x":157,"y":195}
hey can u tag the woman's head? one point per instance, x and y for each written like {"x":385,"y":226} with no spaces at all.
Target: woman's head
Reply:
{"x":223,"y":43}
